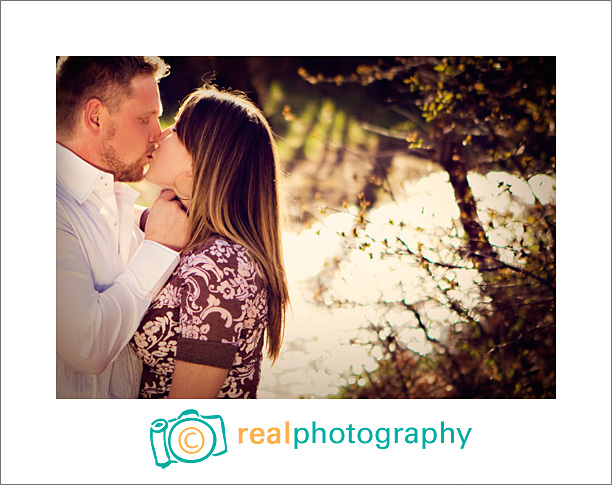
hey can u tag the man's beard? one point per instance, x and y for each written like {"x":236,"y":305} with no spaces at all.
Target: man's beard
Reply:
{"x":122,"y":170}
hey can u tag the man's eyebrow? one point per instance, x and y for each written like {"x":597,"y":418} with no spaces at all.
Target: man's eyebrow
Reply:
{"x":152,"y":112}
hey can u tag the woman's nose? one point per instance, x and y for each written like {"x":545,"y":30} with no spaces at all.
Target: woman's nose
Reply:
{"x":165,"y":134}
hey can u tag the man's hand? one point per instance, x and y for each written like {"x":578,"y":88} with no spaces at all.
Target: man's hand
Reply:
{"x":167,"y":223}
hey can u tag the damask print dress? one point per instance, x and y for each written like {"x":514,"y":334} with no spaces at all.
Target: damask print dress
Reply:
{"x":212,"y":311}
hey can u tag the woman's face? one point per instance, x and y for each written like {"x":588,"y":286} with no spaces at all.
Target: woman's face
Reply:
{"x":169,"y":161}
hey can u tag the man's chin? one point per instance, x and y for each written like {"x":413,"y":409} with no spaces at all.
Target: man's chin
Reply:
{"x":131,"y":177}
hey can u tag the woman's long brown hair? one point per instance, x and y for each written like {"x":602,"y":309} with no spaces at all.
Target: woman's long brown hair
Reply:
{"x":235,"y":188}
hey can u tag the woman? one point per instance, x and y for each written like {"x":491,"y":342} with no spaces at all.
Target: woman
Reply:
{"x":202,"y":336}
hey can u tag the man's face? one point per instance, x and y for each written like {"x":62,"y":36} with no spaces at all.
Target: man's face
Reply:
{"x":132,"y":132}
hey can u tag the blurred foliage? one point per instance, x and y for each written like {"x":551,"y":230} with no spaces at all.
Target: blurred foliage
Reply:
{"x":497,"y":339}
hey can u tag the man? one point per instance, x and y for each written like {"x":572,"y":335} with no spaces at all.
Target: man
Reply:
{"x":108,"y":271}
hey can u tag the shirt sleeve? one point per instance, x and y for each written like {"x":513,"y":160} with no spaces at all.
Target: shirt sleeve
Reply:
{"x":92,"y":326}
{"x":211,"y":312}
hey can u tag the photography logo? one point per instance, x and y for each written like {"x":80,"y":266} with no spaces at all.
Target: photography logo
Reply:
{"x":190,"y":438}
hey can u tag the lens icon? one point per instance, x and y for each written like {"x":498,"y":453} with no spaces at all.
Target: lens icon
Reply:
{"x":198,"y":437}
{"x":191,"y":440}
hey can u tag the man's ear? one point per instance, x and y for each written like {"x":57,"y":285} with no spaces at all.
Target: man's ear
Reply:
{"x":92,"y":115}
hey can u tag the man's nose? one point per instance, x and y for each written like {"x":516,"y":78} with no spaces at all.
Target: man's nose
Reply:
{"x":156,"y":131}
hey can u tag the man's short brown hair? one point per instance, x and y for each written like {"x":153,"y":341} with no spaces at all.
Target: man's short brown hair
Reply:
{"x":78,"y":79}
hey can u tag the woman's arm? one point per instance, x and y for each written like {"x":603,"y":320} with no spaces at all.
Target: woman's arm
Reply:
{"x":196,"y":381}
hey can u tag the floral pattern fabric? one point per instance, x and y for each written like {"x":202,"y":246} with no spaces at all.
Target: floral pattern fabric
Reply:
{"x":212,"y":311}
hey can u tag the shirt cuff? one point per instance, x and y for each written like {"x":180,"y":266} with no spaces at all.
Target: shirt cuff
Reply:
{"x":204,"y":352}
{"x":151,"y":266}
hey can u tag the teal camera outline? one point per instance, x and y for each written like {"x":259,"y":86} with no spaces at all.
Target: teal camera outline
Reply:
{"x":161,"y":431}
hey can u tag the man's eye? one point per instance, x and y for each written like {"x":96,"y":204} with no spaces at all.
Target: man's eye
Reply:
{"x":144,"y":121}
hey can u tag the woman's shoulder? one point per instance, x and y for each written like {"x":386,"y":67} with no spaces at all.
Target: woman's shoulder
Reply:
{"x":221,"y":252}
{"x":220,"y":249}
{"x":224,"y":267}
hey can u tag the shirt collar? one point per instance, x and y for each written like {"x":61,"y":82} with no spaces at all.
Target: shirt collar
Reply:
{"x":79,"y":177}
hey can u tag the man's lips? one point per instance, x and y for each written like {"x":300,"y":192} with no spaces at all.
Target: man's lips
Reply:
{"x":147,"y":162}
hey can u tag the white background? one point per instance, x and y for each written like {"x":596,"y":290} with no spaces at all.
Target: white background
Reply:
{"x":566,"y":440}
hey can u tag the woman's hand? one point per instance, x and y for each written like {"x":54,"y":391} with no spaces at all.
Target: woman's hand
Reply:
{"x":196,"y":381}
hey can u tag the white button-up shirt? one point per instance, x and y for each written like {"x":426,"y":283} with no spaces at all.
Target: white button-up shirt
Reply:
{"x":106,"y":278}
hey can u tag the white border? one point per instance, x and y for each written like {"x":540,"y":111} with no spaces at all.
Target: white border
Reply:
{"x":566,"y":440}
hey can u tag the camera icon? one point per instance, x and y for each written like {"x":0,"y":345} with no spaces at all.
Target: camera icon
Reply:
{"x":190,"y":438}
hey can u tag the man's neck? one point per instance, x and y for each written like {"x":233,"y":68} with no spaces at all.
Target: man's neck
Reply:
{"x":81,"y":150}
